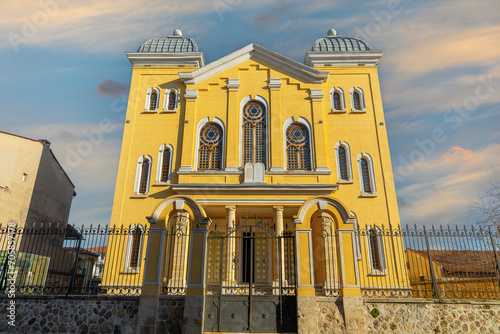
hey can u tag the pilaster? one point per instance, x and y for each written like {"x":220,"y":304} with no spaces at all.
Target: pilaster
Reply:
{"x":233,"y":126}
{"x":319,"y":130}
{"x":187,"y":157}
{"x":276,"y":125}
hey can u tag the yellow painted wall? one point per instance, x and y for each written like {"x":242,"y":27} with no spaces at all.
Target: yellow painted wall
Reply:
{"x":364,"y":132}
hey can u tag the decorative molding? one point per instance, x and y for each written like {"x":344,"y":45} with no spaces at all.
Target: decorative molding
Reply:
{"x":178,"y":59}
{"x":316,"y":94}
{"x":254,"y":51}
{"x":274,"y":83}
{"x":246,"y":189}
{"x":191,"y":94}
{"x":288,"y":201}
{"x":346,"y":58}
{"x":233,"y":83}
{"x":185,"y":169}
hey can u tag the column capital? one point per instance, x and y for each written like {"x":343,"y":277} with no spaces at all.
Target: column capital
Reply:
{"x":278,"y":208}
{"x":230,"y":207}
{"x":233,"y":84}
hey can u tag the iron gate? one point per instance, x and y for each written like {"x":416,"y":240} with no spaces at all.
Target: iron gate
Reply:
{"x":251,"y":280}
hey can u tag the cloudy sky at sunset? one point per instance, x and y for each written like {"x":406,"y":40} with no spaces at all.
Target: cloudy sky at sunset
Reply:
{"x":63,"y":72}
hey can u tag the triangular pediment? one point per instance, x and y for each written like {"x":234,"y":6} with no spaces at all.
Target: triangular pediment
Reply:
{"x":256,"y":52}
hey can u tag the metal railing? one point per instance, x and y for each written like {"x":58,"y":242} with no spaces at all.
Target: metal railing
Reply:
{"x":441,"y":263}
{"x":53,"y":260}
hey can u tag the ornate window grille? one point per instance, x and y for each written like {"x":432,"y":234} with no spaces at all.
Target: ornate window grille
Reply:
{"x":298,"y":151}
{"x":143,"y":188}
{"x":366,"y":176}
{"x":210,"y":151}
{"x":254,"y":133}
{"x":343,"y":163}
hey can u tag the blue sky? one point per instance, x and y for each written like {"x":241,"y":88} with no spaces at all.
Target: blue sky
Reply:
{"x":64,"y":77}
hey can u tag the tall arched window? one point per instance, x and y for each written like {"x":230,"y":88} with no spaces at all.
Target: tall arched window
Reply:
{"x":366,"y":176}
{"x":357,"y":100}
{"x":142,"y":176}
{"x":376,"y":251}
{"x":298,"y":150}
{"x":210,"y":151}
{"x":134,"y":248}
{"x":152,"y":99}
{"x":343,"y":163}
{"x":337,"y":99}
{"x":254,"y":133}
{"x":171,"y":99}
{"x":164,"y":169}
{"x":143,"y":188}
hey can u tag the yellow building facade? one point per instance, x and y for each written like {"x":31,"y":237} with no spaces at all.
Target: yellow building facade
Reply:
{"x":254,"y":172}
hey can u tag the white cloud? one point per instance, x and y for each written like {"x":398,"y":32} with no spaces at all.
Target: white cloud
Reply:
{"x":443,"y":188}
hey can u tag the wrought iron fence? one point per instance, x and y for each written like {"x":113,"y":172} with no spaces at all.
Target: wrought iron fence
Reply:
{"x":442,"y":263}
{"x":54,"y":260}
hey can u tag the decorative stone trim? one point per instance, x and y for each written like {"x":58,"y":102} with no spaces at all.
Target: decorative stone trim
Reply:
{"x":275,"y":83}
{"x":233,"y":84}
{"x":316,"y":94}
{"x":191,"y":94}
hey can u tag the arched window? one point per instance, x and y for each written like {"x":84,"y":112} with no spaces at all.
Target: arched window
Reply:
{"x":143,"y":173}
{"x":298,"y":150}
{"x":337,"y":99}
{"x":366,"y":175}
{"x":357,"y":100}
{"x":210,"y":151}
{"x":164,"y":169}
{"x":134,"y":248}
{"x":171,"y":99}
{"x":143,"y":188}
{"x":343,"y":163}
{"x":344,"y":170}
{"x":254,"y":133}
{"x":376,"y":249}
{"x":152,"y":99}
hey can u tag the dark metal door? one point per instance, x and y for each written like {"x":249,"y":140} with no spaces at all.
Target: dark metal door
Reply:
{"x":251,"y":280}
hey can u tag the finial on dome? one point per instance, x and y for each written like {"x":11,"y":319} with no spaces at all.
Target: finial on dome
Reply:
{"x":177,"y":33}
{"x":331,"y":33}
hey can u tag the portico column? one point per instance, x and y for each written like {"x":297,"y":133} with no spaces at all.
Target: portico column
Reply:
{"x":231,"y":244}
{"x":279,"y":250}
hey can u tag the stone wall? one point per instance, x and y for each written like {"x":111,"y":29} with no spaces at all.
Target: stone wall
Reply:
{"x":419,"y":316}
{"x":170,"y":314}
{"x":330,"y":315}
{"x":79,"y":314}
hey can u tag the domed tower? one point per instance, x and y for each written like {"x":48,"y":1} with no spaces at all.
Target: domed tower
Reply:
{"x":170,"y":50}
{"x":337,"y":50}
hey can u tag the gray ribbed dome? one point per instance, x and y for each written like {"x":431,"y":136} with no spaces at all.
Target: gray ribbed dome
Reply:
{"x":334,"y":43}
{"x":171,"y":44}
